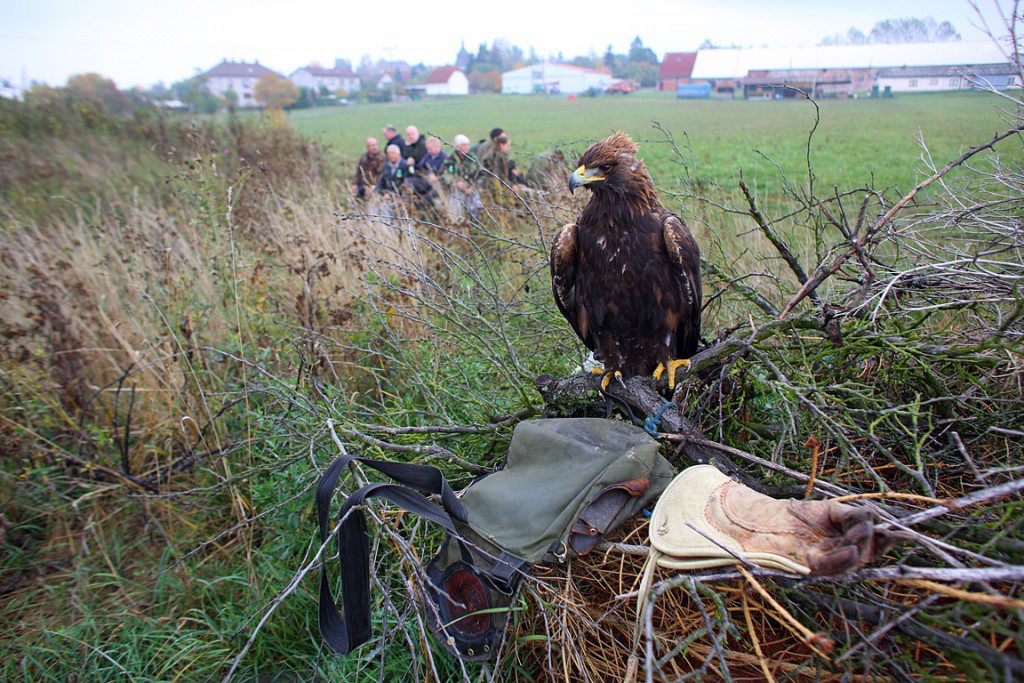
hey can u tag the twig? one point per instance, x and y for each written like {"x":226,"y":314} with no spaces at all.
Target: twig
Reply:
{"x":824,"y":273}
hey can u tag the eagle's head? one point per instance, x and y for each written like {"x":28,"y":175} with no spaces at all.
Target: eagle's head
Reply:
{"x":611,"y":168}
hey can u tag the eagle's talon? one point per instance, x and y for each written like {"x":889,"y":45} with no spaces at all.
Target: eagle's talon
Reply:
{"x":671,"y":366}
{"x":607,"y":379}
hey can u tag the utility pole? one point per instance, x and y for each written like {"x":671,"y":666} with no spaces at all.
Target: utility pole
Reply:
{"x":389,"y":51}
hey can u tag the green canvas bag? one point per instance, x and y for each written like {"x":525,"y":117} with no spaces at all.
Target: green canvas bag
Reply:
{"x":564,"y":485}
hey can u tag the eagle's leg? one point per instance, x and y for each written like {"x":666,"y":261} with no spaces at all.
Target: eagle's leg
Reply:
{"x":671,"y":366}
{"x":607,"y":379}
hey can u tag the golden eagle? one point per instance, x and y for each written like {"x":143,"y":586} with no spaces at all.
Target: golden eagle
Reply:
{"x":626,"y":274}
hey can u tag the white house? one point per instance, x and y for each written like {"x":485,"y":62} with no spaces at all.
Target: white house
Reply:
{"x":446,"y":80}
{"x":317,"y":78}
{"x":240,"y":77}
{"x":552,"y":77}
{"x":936,"y":78}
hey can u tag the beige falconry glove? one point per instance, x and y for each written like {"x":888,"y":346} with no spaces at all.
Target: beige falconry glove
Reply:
{"x":705,"y":519}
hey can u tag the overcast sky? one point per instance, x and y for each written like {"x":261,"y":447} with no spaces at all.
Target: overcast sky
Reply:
{"x":142,"y":42}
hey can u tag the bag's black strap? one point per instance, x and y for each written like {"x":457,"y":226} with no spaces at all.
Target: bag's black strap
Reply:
{"x":423,"y":478}
{"x":344,"y":633}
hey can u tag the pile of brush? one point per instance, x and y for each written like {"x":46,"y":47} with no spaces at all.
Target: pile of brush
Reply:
{"x":867,"y":348}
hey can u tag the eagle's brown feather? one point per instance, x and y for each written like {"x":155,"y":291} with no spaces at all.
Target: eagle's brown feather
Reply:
{"x":626,"y":275}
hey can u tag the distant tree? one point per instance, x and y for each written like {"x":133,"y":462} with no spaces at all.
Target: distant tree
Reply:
{"x":587,"y":62}
{"x":418,"y":74}
{"x":275,"y":92}
{"x":159,"y":92}
{"x":483,"y":54}
{"x":904,"y":30}
{"x":638,"y":54}
{"x":643,"y":73}
{"x":102,"y":91}
{"x":307,"y":98}
{"x":913,"y":30}
{"x":365,"y":68}
{"x":609,"y":57}
{"x":483,"y":67}
{"x":230,"y":97}
{"x":194,"y":93}
{"x":485,"y":81}
{"x":708,"y":44}
{"x":854,"y":36}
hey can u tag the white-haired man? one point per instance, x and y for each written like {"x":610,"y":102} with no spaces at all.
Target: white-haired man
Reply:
{"x":394,"y":172}
{"x":432,"y":163}
{"x":461,"y":172}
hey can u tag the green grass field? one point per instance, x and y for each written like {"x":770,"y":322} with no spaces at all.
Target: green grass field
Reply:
{"x":855,"y":139}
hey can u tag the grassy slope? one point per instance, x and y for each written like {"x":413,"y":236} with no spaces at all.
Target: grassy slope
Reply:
{"x":856,"y":138}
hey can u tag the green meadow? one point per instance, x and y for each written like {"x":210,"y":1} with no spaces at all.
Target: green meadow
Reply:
{"x":856,"y":140}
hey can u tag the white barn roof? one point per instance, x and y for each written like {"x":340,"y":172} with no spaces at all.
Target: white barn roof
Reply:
{"x":735,"y":63}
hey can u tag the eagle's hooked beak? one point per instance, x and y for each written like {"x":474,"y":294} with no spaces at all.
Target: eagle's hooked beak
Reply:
{"x":583,"y":176}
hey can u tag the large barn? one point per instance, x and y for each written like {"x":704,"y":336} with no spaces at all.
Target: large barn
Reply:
{"x":554,"y":78}
{"x":840,"y":69}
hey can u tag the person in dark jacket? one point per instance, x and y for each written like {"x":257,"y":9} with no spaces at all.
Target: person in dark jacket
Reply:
{"x":432,"y":163}
{"x":498,"y":162}
{"x":394,"y":172}
{"x":368,"y":169}
{"x":391,"y":137}
{"x":482,"y":148}
{"x":415,"y":146}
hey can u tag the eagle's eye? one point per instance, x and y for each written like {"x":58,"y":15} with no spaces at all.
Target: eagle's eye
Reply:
{"x":605,"y":168}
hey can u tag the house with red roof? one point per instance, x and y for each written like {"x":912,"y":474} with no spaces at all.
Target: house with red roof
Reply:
{"x":444,"y":80}
{"x":240,"y":77}
{"x":318,"y":79}
{"x":675,"y":69}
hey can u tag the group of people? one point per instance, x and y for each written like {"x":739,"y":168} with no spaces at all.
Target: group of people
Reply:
{"x":418,"y":169}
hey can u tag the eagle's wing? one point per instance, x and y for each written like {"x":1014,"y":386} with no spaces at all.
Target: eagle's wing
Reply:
{"x":563,"y":282}
{"x":684,"y":253}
